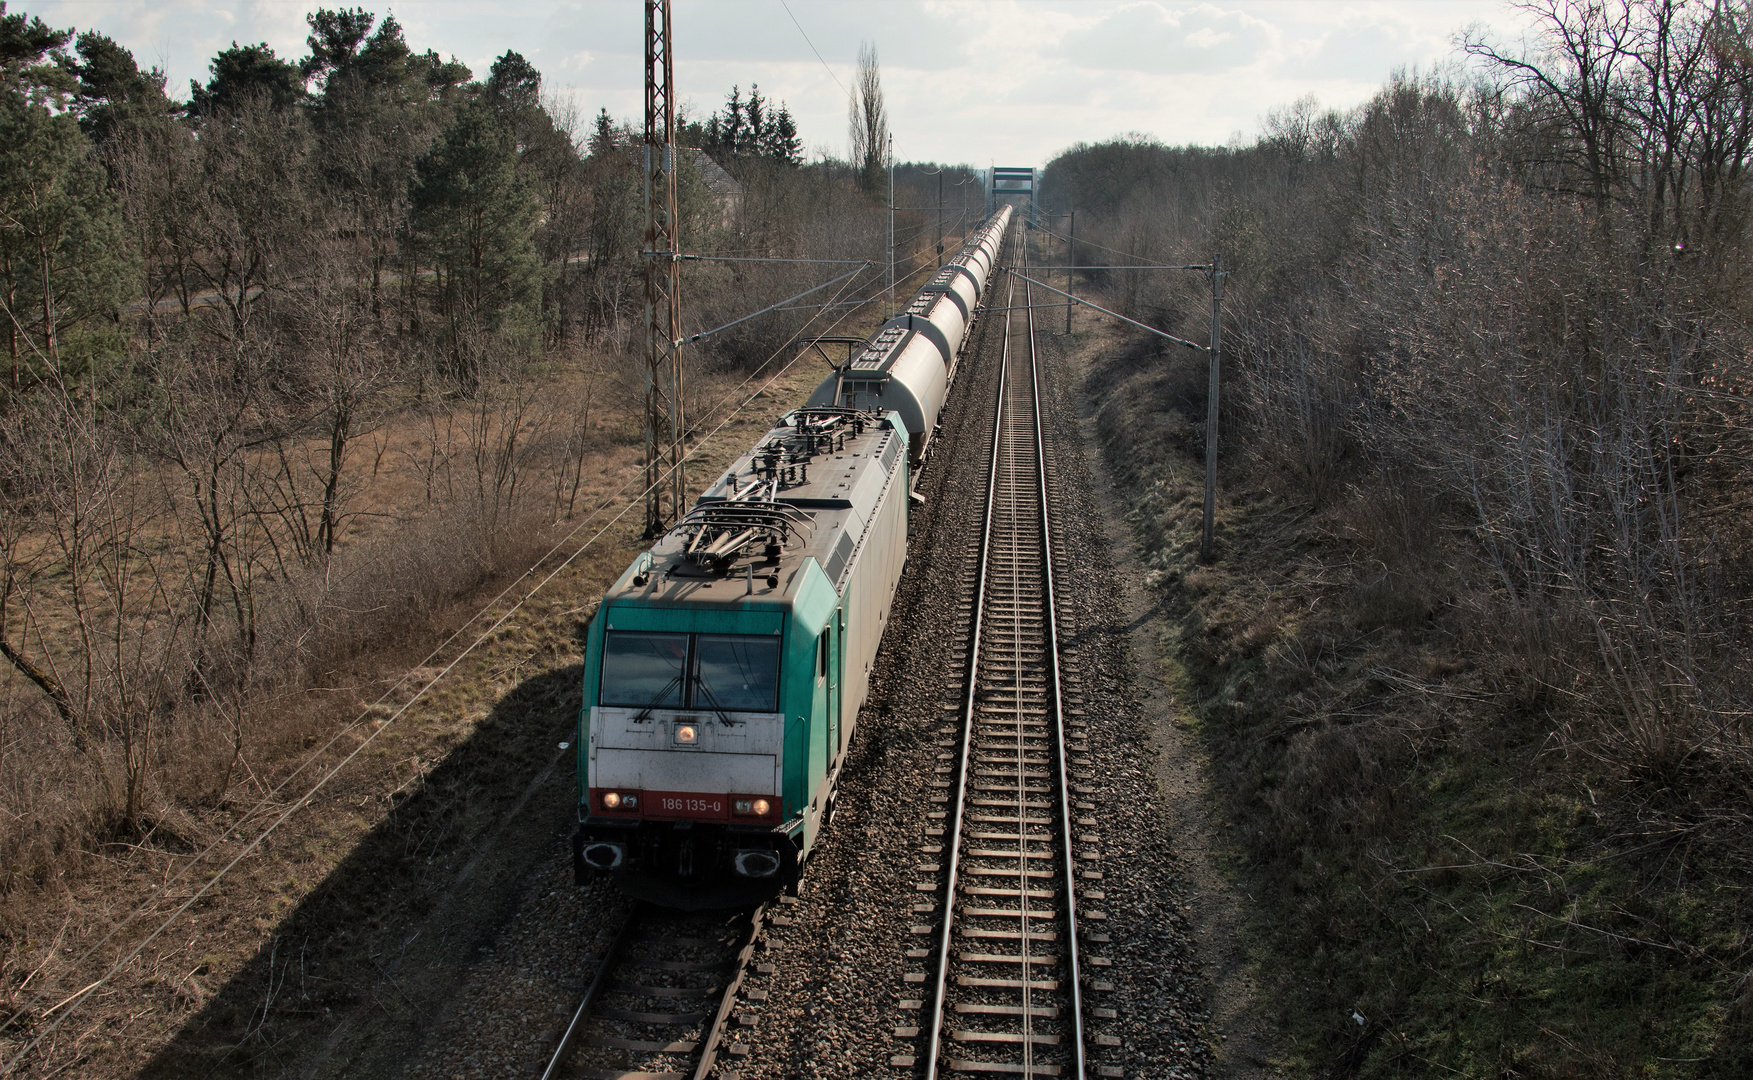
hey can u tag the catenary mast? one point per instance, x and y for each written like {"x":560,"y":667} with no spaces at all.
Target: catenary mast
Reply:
{"x":665,"y":486}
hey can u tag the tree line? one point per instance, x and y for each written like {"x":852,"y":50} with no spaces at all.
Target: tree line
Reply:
{"x":298,"y":361}
{"x":1491,"y":329}
{"x":749,"y":128}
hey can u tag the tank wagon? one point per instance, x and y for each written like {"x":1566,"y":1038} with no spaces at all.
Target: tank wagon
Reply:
{"x":725,"y":668}
{"x":908,"y":364}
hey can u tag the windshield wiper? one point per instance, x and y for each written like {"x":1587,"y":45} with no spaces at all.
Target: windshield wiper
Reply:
{"x":712,"y":699}
{"x":644,"y":714}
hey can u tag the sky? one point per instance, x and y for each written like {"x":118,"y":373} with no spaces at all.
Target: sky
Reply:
{"x":980,"y":82}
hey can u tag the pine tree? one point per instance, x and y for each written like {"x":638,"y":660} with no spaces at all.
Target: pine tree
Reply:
{"x":783,"y":144}
{"x":475,"y":221}
{"x":514,"y":85}
{"x":64,"y":262}
{"x":112,"y":88}
{"x":242,"y":72}
{"x":340,"y":48}
{"x":755,"y":141}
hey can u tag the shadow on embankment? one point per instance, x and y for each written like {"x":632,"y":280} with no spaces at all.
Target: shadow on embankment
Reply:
{"x":351,"y":980}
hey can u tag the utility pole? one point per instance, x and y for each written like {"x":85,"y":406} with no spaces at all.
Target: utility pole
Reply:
{"x":1070,"y":261}
{"x":1211,"y":408}
{"x":665,"y":486}
{"x":891,"y":226}
{"x":940,"y":216}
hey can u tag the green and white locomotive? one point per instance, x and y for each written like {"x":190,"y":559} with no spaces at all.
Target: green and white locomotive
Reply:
{"x":725,"y":669}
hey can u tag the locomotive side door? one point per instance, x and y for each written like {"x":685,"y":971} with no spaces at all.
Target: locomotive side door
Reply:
{"x":833,"y":675}
{"x":828,"y":679}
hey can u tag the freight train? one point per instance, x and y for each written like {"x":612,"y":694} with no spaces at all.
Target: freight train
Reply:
{"x":725,"y":668}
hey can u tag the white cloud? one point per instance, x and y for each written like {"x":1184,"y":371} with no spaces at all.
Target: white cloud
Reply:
{"x":1150,"y":37}
{"x":966,"y":80}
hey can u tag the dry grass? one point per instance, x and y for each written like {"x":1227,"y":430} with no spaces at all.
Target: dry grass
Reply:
{"x":410,"y":591}
{"x":1436,"y":799}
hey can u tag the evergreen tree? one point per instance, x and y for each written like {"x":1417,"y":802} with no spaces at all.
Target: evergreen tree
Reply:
{"x":342,"y":47}
{"x":379,"y":107}
{"x":241,"y":72}
{"x":475,"y":221}
{"x":604,"y":138}
{"x":755,"y":137}
{"x":751,"y":127}
{"x":514,"y":92}
{"x":112,"y":88}
{"x":514,"y":85}
{"x":783,"y":144}
{"x":32,"y":61}
{"x":732,"y":128}
{"x":64,"y":263}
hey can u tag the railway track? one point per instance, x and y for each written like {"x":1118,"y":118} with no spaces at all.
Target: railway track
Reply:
{"x":1005,"y":986}
{"x":662,"y":998}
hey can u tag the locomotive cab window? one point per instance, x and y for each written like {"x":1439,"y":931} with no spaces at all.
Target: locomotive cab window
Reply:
{"x":729,"y":672}
{"x":736,"y":672}
{"x":822,"y":657}
{"x":644,"y":671}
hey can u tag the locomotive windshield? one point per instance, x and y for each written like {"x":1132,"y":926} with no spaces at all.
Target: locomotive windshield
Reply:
{"x":736,"y":672}
{"x":644,"y":670}
{"x":728,"y":672}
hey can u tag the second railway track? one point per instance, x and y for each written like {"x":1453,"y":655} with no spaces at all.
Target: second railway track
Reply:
{"x":1005,"y":984}
{"x":662,"y":997}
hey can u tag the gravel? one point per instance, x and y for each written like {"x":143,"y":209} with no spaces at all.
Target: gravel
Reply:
{"x":829,"y":990}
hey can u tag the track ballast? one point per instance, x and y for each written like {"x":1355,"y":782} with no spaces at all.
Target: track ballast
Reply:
{"x":1004,"y":985}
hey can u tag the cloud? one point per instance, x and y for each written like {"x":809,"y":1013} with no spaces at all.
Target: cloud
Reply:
{"x":1358,"y":49}
{"x":966,"y":80}
{"x":1152,"y":38}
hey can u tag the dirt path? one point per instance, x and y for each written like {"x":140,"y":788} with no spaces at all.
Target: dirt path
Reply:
{"x":1240,"y":1032}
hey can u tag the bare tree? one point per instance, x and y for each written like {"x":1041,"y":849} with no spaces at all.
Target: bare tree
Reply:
{"x":868,"y":120}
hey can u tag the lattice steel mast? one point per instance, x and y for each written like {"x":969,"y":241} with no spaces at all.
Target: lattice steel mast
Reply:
{"x":666,"y":488}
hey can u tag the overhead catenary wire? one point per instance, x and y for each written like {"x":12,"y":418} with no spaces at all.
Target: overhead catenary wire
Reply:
{"x":69,"y":1005}
{"x":751,"y":258}
{"x":1142,"y":326}
{"x":876,"y":297}
{"x":690,"y":339}
{"x":918,"y":262}
{"x":818,"y":52}
{"x":1117,"y":251}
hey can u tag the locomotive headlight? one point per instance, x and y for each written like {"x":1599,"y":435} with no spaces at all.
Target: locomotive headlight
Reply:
{"x":750,"y":807}
{"x":686,"y":734}
{"x":761,"y":807}
{"x":612,"y":800}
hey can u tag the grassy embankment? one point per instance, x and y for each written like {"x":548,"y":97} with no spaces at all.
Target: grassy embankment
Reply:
{"x":1445,"y":881}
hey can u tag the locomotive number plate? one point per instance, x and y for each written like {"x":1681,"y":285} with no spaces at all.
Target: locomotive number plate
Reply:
{"x":687,"y":804}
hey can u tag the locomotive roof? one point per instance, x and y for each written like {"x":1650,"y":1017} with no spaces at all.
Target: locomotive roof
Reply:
{"x":812,"y":484}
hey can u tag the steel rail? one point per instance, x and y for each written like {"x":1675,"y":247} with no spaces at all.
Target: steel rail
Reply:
{"x":710,"y":1040}
{"x":968,"y":701}
{"x":611,"y":957}
{"x":1059,"y":750}
{"x":1007,"y":582}
{"x":704,"y":1050}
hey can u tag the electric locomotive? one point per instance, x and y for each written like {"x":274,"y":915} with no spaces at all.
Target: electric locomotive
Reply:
{"x":725,"y":669}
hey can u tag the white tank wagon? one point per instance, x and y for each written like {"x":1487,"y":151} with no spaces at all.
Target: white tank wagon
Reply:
{"x":908,"y":365}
